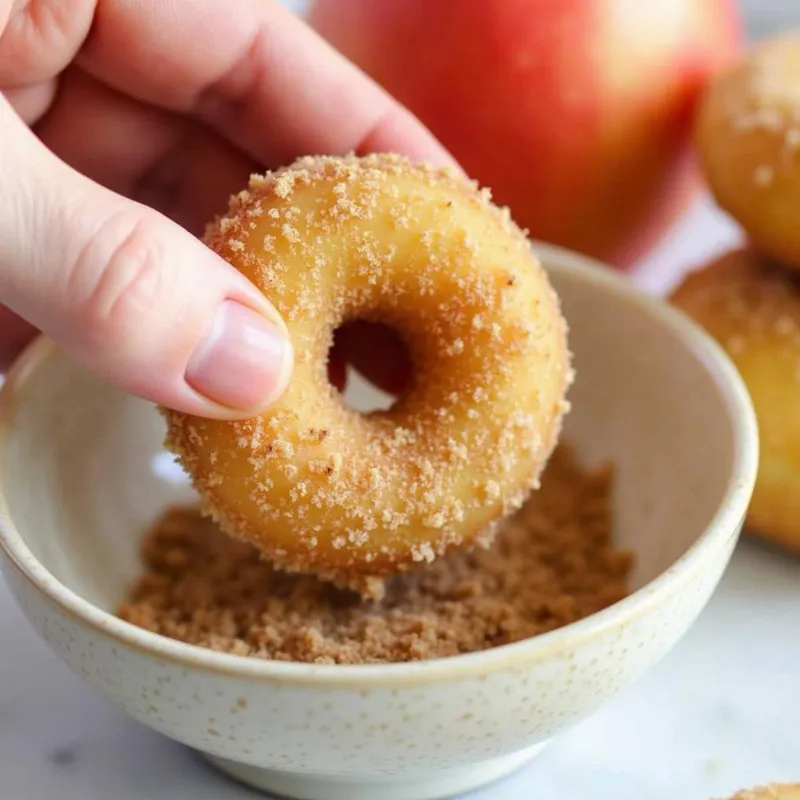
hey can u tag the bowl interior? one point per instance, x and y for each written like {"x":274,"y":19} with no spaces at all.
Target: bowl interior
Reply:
{"x":84,"y":473}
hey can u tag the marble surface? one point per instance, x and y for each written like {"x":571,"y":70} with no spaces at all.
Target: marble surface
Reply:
{"x":717,"y":714}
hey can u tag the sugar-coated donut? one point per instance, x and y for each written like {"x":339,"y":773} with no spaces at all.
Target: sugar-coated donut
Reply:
{"x":775,"y":791}
{"x":323,"y":489}
{"x":748,"y":138}
{"x":753,"y":309}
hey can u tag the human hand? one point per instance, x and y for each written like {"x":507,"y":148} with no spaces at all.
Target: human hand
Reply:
{"x":124,"y":127}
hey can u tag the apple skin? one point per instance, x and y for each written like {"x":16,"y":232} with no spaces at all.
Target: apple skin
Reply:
{"x":578,"y":114}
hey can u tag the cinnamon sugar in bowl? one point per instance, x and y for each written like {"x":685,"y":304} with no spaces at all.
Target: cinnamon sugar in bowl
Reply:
{"x":82,"y":481}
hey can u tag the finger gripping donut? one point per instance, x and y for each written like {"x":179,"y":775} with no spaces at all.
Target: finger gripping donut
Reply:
{"x":322,"y":488}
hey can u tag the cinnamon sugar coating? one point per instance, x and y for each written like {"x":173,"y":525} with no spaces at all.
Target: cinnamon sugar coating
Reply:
{"x":320,"y":488}
{"x":552,"y":563}
{"x":752,"y":307}
{"x":748,"y":136}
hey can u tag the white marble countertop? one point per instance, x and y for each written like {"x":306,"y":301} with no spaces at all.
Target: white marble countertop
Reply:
{"x":718,"y":714}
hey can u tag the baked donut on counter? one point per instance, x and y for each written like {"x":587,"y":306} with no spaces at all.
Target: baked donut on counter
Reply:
{"x":323,"y":489}
{"x":748,"y":139}
{"x":752,"y":308}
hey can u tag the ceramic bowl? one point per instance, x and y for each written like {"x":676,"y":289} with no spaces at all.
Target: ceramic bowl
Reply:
{"x":82,"y":475}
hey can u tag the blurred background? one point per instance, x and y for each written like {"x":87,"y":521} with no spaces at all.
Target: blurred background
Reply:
{"x":770,"y":16}
{"x":763,"y":16}
{"x":583,"y":130}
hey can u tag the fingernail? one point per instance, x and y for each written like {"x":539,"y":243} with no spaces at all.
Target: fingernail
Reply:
{"x":245,"y":362}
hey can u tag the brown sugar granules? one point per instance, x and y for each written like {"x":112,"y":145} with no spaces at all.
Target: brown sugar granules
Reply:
{"x":552,"y":563}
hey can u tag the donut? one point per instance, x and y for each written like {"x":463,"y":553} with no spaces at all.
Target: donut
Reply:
{"x":748,"y":140}
{"x":752,"y":308}
{"x":775,"y":791}
{"x":323,"y":489}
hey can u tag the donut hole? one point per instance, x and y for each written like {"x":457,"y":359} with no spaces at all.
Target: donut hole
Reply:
{"x":370,"y":364}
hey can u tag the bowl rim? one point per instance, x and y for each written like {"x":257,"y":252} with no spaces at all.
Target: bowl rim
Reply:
{"x":725,"y":523}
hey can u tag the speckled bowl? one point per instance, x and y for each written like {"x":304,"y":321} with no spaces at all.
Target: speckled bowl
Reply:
{"x":82,"y":475}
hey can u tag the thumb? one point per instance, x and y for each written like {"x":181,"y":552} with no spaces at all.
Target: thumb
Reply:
{"x":129,"y":293}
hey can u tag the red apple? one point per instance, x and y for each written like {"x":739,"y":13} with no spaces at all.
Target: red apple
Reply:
{"x":576,"y":113}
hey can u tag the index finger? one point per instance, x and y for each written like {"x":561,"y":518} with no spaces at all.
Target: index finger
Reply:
{"x":258,"y":74}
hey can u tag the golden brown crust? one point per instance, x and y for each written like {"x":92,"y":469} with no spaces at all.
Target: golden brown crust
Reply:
{"x":323,"y":489}
{"x":752,"y":308}
{"x":748,"y":137}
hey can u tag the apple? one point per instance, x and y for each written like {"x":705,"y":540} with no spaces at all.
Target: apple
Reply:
{"x":577,"y":114}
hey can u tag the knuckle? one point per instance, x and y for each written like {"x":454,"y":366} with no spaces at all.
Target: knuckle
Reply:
{"x":118,"y":279}
{"x":41,"y":37}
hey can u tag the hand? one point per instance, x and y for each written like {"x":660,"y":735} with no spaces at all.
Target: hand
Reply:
{"x":124,"y":127}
